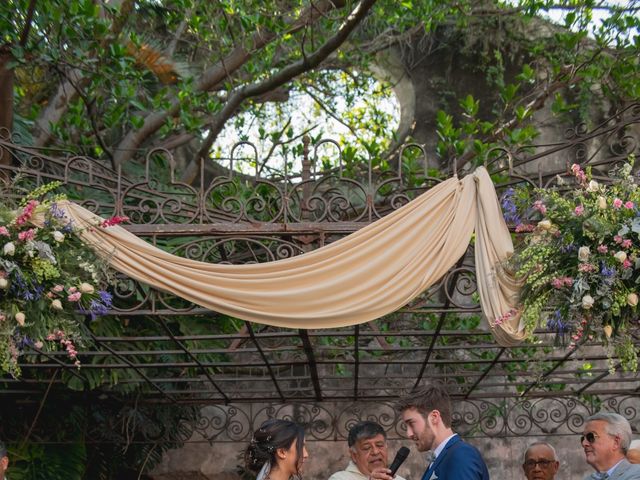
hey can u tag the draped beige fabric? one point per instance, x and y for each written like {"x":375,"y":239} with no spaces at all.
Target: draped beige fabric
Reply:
{"x":361,"y":277}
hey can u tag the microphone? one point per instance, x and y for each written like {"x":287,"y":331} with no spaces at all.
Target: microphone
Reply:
{"x":401,"y":456}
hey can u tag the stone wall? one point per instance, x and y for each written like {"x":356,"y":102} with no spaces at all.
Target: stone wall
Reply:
{"x":500,"y":428}
{"x":502,"y":455}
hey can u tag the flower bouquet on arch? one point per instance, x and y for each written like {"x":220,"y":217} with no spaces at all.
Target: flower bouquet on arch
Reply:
{"x":580,"y":259}
{"x":50,"y":282}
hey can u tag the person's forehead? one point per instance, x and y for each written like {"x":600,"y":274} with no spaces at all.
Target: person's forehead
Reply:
{"x":371,"y":440}
{"x":540,"y":451}
{"x":595,"y":426}
{"x":411,"y":413}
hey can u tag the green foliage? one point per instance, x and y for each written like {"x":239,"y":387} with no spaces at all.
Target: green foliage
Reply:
{"x":126,"y":64}
{"x":113,"y":439}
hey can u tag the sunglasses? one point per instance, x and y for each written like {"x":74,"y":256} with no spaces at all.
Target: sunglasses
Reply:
{"x":531,"y":464}
{"x":589,"y":437}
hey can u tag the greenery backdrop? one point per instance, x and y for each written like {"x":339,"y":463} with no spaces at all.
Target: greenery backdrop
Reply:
{"x":112,"y":79}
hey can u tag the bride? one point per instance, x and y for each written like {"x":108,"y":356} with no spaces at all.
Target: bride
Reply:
{"x":277,"y":451}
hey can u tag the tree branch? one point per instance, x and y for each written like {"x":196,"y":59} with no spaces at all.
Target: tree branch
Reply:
{"x":287,"y":73}
{"x":215,"y":75}
{"x":27,"y":24}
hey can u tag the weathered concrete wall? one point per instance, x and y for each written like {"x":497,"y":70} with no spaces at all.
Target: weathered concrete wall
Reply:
{"x":503,"y":457}
{"x":500,"y":428}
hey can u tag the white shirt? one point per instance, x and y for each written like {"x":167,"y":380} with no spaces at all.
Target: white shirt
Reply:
{"x":440,"y":447}
{"x":352,"y":473}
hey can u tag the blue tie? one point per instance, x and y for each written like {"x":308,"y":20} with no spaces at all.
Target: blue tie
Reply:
{"x":427,"y":474}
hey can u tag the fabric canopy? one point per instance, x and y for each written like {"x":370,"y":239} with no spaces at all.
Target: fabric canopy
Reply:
{"x":358,"y":278}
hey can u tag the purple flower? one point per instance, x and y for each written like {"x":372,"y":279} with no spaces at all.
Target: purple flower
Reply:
{"x":56,"y":212}
{"x":555,"y":323}
{"x":106,"y":298}
{"x":98,"y":308}
{"x":68,"y":228}
{"x":509,"y":209}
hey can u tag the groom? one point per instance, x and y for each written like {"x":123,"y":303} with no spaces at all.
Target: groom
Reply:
{"x":427,"y":416}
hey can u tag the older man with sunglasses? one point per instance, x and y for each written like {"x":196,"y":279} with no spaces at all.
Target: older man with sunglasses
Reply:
{"x":605,"y":440}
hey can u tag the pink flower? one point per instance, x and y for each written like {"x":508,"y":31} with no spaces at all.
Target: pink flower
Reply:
{"x":579,"y":210}
{"x":568,"y":281}
{"x":628,"y":205}
{"x":115,"y":220}
{"x":27,"y":235}
{"x":522,"y":227}
{"x":539,"y":206}
{"x":73,"y":289}
{"x":504,"y":317}
{"x":586,"y":267}
{"x":617,"y":239}
{"x":617,"y":203}
{"x":627,"y":263}
{"x":575,"y":168}
{"x":27,"y":212}
{"x":627,"y":243}
{"x":57,"y":288}
{"x":557,"y":283}
{"x":4,"y":231}
{"x":603,"y":249}
{"x":74,"y":297}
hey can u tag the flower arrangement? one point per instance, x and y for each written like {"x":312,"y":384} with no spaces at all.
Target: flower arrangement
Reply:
{"x":48,"y":280}
{"x":580,"y":262}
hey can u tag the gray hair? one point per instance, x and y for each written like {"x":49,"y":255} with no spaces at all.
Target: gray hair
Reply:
{"x":3,"y":450}
{"x":365,"y":430}
{"x":617,"y":425}
{"x":545,"y":444}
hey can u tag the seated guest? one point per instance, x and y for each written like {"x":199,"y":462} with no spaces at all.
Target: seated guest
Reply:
{"x":605,"y":441}
{"x":369,"y":455}
{"x":540,"y":462}
{"x":633,"y":454}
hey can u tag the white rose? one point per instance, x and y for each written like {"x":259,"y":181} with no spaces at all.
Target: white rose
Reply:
{"x":20,"y":318}
{"x":4,"y":283}
{"x":620,"y":256}
{"x":593,"y":186}
{"x":58,"y":236}
{"x":583,"y":254}
{"x":56,"y":304}
{"x":86,"y":288}
{"x":632,"y":299}
{"x":602,"y":203}
{"x":9,"y":248}
{"x":545,"y":224}
{"x":587,"y":302}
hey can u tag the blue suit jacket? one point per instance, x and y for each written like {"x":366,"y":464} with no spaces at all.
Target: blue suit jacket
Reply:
{"x":458,"y":461}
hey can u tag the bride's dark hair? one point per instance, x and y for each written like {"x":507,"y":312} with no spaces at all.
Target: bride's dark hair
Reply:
{"x":272,"y":435}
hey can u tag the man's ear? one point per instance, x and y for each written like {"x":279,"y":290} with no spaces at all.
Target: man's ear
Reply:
{"x":434,"y":418}
{"x":352,"y":454}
